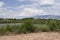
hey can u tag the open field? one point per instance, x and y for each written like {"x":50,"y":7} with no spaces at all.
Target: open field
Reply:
{"x":33,"y":36}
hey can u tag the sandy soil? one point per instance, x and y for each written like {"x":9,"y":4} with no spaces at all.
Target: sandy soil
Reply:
{"x":33,"y":36}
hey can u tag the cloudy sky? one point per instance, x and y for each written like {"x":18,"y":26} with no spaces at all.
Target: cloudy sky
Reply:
{"x":27,"y":8}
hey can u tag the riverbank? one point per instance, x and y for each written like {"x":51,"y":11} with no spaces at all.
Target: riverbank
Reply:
{"x":33,"y":36}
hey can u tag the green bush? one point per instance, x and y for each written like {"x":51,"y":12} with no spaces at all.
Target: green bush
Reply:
{"x":31,"y":25}
{"x":42,"y":28}
{"x":54,"y":26}
{"x":27,"y":26}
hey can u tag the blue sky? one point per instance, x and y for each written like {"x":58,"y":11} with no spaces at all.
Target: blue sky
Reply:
{"x":27,"y":8}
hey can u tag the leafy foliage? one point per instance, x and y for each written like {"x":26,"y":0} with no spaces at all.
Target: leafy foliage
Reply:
{"x":29,"y":25}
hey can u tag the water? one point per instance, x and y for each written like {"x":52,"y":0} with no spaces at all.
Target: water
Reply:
{"x":11,"y":24}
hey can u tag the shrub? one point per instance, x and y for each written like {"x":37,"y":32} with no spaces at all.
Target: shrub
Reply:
{"x":53,"y":26}
{"x":42,"y":28}
{"x":27,"y":26}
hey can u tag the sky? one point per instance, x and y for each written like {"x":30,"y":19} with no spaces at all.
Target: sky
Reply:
{"x":28,"y":8}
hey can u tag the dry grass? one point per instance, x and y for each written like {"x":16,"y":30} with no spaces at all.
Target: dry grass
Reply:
{"x":33,"y":36}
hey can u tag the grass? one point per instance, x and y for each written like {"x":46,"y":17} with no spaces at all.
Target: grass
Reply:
{"x":27,"y":26}
{"x":42,"y":28}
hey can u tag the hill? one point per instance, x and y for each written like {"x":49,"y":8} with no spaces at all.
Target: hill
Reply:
{"x":47,"y":16}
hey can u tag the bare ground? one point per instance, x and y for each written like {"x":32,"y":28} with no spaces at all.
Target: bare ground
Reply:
{"x":33,"y":36}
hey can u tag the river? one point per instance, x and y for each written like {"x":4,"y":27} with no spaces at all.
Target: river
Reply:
{"x":11,"y":24}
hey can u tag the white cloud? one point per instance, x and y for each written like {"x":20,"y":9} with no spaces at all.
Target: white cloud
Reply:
{"x":38,"y":3}
{"x":43,"y":2}
{"x":27,"y":12}
{"x":6,"y":13}
{"x":49,"y":2}
{"x":31,"y":9}
{"x":1,"y":4}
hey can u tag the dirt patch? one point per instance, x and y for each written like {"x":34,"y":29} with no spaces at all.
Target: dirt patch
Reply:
{"x":33,"y":36}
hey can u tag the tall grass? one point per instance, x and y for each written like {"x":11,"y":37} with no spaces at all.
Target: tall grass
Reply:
{"x":25,"y":27}
{"x":42,"y":28}
{"x":29,"y":26}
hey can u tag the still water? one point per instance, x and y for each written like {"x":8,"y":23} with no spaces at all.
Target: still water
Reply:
{"x":11,"y":24}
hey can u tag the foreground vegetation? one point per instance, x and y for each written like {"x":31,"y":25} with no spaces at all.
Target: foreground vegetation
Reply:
{"x":29,"y":25}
